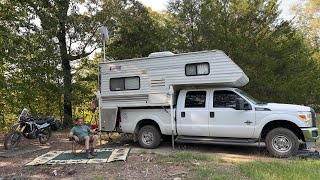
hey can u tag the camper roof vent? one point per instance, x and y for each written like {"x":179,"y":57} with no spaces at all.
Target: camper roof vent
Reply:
{"x":160,"y":54}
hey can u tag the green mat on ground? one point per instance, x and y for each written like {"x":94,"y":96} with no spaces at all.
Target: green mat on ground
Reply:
{"x":67,"y":157}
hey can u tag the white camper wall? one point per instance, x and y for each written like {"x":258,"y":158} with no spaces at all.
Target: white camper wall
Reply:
{"x":157,"y":73}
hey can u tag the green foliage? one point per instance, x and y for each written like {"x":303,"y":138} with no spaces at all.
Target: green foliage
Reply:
{"x":137,"y":33}
{"x":51,"y":36}
{"x":44,"y":48}
{"x":271,"y":51}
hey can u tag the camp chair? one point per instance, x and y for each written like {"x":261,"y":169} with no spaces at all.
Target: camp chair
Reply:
{"x":77,"y":145}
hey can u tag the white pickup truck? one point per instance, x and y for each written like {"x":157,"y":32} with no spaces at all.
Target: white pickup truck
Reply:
{"x":223,"y":115}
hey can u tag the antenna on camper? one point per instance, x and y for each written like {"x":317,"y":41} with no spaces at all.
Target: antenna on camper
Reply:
{"x":104,"y":33}
{"x":105,"y":37}
{"x":171,"y":91}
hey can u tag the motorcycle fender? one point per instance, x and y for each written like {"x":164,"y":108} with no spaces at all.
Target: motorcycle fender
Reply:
{"x":22,"y":129}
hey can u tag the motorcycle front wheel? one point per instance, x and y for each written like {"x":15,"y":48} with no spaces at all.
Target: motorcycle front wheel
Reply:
{"x":45,"y":135}
{"x":12,"y":140}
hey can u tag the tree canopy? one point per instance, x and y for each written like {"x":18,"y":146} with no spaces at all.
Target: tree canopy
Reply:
{"x":49,"y":60}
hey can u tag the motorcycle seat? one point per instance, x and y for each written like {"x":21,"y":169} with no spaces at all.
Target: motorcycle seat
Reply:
{"x":40,"y":122}
{"x":49,"y":119}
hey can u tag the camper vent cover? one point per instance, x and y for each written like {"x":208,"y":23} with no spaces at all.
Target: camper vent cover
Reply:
{"x":157,"y":83}
{"x":161,"y":54}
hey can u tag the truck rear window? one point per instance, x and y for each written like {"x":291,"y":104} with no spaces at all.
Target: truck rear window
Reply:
{"x":195,"y":99}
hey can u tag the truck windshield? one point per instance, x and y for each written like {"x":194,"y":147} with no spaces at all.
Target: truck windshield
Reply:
{"x":249,"y":97}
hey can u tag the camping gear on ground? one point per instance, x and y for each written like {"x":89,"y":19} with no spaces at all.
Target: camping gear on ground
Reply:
{"x":31,"y":128}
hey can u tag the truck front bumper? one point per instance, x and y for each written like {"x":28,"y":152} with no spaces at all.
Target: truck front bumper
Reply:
{"x":310,"y":134}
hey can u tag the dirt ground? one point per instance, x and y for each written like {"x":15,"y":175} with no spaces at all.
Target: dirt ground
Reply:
{"x":141,"y":163}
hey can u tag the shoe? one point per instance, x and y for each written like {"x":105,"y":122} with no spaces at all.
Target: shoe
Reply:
{"x":93,"y":153}
{"x":89,"y":156}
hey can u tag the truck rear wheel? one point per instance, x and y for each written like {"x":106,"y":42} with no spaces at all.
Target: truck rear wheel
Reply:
{"x":149,"y":137}
{"x":282,"y":143}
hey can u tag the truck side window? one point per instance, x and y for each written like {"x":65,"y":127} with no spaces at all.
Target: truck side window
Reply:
{"x":195,"y":99}
{"x":224,"y":99}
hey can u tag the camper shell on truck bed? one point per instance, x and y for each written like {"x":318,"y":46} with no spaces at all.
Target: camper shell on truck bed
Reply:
{"x":145,"y":82}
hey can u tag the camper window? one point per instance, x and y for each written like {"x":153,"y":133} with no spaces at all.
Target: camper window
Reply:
{"x":197,"y":69}
{"x":124,"y":83}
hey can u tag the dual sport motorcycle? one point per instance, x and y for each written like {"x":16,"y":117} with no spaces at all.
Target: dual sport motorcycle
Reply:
{"x":31,"y":128}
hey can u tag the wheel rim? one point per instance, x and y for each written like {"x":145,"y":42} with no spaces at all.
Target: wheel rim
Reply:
{"x":13,"y":140}
{"x":281,"y":143}
{"x":44,"y":135}
{"x":147,"y":138}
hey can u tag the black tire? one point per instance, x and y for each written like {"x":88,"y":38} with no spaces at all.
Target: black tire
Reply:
{"x":282,"y":143}
{"x":149,"y":137}
{"x":12,"y":140}
{"x":45,"y":136}
{"x":126,"y":138}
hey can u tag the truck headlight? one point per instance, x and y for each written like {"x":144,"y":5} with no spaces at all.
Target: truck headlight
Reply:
{"x":306,"y":117}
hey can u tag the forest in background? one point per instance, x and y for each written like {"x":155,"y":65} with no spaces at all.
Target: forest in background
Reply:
{"x":49,"y":62}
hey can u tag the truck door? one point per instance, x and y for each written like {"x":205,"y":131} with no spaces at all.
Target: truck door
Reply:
{"x":193,"y":114}
{"x":225,"y":120}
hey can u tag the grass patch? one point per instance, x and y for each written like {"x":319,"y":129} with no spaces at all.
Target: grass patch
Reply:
{"x":187,"y":157}
{"x":98,"y":178}
{"x":290,"y":169}
{"x":202,"y":166}
{"x":216,"y":171}
{"x":202,"y":171}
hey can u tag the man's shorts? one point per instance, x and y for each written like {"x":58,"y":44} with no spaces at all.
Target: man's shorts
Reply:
{"x":82,"y":141}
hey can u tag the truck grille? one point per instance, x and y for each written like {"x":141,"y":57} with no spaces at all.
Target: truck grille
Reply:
{"x":314,"y":121}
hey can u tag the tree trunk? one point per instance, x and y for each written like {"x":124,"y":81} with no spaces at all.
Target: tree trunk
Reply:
{"x":67,"y":92}
{"x":65,"y":61}
{"x":67,"y":77}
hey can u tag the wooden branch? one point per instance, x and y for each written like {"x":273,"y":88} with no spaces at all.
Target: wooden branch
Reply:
{"x":92,"y":35}
{"x":82,"y":55}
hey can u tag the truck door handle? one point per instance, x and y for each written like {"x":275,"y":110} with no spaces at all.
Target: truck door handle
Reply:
{"x":211,"y":114}
{"x":183,"y":114}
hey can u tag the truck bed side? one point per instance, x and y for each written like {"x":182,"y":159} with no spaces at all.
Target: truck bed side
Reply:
{"x":131,"y":117}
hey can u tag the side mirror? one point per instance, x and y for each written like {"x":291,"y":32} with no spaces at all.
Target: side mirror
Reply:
{"x":241,"y":104}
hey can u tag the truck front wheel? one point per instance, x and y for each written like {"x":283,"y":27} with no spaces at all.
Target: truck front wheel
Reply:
{"x":149,"y":137}
{"x":282,"y":142}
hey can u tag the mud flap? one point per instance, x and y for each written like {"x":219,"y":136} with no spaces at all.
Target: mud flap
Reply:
{"x":307,"y":145}
{"x":108,"y":119}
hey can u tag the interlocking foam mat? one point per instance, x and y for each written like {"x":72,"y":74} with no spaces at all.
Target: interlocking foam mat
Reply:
{"x":67,"y":157}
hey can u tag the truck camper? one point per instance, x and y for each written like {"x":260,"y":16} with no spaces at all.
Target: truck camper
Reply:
{"x":195,"y":97}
